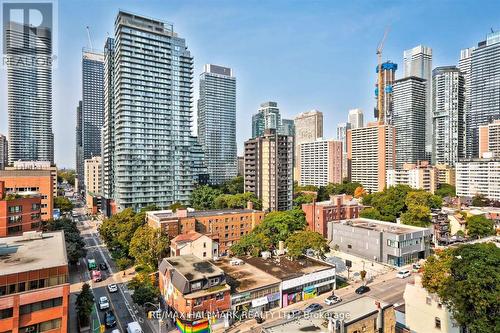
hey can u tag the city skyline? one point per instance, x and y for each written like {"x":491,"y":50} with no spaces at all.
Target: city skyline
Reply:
{"x":354,"y":39}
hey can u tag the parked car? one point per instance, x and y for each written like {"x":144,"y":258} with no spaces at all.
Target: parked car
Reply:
{"x":333,"y":299}
{"x":109,"y":319}
{"x":116,"y":331}
{"x":103,"y":266}
{"x":103,"y":303}
{"x":236,"y":262}
{"x":312,"y":308}
{"x":112,"y":288}
{"x":404,"y":273}
{"x":362,"y":290}
{"x":416,"y":267}
{"x":259,"y":319}
{"x":293,"y":314}
{"x":134,"y":327}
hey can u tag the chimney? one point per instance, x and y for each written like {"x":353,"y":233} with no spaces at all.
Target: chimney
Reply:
{"x":250,"y":205}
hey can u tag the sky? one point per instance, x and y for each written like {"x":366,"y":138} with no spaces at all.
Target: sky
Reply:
{"x":304,"y":55}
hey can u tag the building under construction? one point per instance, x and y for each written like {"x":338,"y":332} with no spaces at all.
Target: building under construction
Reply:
{"x":386,"y":75}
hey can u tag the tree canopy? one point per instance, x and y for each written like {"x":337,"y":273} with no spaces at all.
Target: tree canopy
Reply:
{"x":63,"y":203}
{"x":148,"y":246}
{"x":75,"y":245}
{"x":203,"y":197}
{"x":446,"y":190}
{"x":466,"y":279}
{"x":303,"y":198}
{"x":480,"y":200}
{"x":238,"y":200}
{"x":84,"y":303}
{"x":479,"y":226}
{"x":67,"y":175}
{"x":302,"y":240}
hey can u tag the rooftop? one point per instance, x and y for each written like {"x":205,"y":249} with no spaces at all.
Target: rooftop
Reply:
{"x":32,"y":251}
{"x":245,"y":277}
{"x":190,"y":236}
{"x":192,"y":267}
{"x":382,"y":226}
{"x":168,"y":214}
{"x":286,"y":269}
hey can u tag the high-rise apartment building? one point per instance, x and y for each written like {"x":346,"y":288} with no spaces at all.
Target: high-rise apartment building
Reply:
{"x":484,"y":88}
{"x":464,"y":64}
{"x":4,"y":152}
{"x":217,"y":122}
{"x":108,"y":128}
{"x":320,"y":162}
{"x":269,"y":170}
{"x":371,"y":152}
{"x":478,"y":176}
{"x":383,"y":91}
{"x":356,"y":118}
{"x":92,"y":108}
{"x":417,"y":62}
{"x":489,"y":139}
{"x":308,"y":128}
{"x":267,"y":117}
{"x":342,"y":137}
{"x":198,"y":165}
{"x":79,"y":160}
{"x":93,"y":174}
{"x":419,"y":175}
{"x":150,"y":116}
{"x":448,"y":115}
{"x":29,"y":92}
{"x":409,"y":97}
{"x":287,"y":127}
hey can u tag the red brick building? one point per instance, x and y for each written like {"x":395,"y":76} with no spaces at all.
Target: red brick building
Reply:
{"x":339,"y":207}
{"x":34,"y":288}
{"x":18,"y":213}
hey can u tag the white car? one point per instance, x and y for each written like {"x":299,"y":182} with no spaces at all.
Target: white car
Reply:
{"x":115,"y":331}
{"x":103,"y":303}
{"x":332,"y":299}
{"x":403,"y":274}
{"x":112,"y":288}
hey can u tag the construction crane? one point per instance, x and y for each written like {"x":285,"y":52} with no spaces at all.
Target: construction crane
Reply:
{"x":380,"y":48}
{"x":90,"y":39}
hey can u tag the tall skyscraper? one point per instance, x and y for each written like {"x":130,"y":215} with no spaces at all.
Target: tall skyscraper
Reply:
{"x":484,"y":88}
{"x":79,"y":146}
{"x":464,"y":64}
{"x":4,"y":152}
{"x":108,"y":129}
{"x":342,"y":137}
{"x":320,"y":162}
{"x":29,"y":93}
{"x":371,"y":153}
{"x":267,"y":117}
{"x":308,"y":128}
{"x":418,"y":62}
{"x":92,"y":110}
{"x":489,"y":139}
{"x":355,"y":118}
{"x":151,"y":114}
{"x":448,"y":115}
{"x":269,"y":169}
{"x":217,"y":122}
{"x":384,"y":89}
{"x":287,"y":127}
{"x":409,"y":119}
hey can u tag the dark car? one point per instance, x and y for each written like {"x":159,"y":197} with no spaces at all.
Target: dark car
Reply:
{"x":103,"y":266}
{"x":362,"y":290}
{"x":313,"y":308}
{"x":259,"y":319}
{"x":109,"y":319}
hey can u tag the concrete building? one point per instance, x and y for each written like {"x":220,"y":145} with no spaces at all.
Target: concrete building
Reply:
{"x":93,"y":174}
{"x":417,"y":62}
{"x":464,"y":64}
{"x":37,"y":165}
{"x":287,"y":127}
{"x":79,"y":160}
{"x":267,"y":117}
{"x":34,"y":283}
{"x":364,"y":314}
{"x":478,"y":176}
{"x":29,"y":92}
{"x":320,"y":162}
{"x":217,"y":122}
{"x":339,"y":207}
{"x":356,"y":118}
{"x":484,"y":87}
{"x":383,"y":91}
{"x":308,"y":127}
{"x":149,"y":123}
{"x":4,"y":152}
{"x":241,"y":165}
{"x":193,"y":287}
{"x":194,"y":243}
{"x":269,"y":170}
{"x":199,"y":168}
{"x":225,"y":226}
{"x":371,"y":151}
{"x":390,"y":243}
{"x":489,"y":138}
{"x":445,"y":174}
{"x":448,"y":115}
{"x":26,"y":182}
{"x":342,"y":137}
{"x":409,"y":117}
{"x":425,"y":312}
{"x":19,"y":213}
{"x":416,"y":175}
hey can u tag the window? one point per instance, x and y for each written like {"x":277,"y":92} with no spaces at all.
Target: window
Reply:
{"x":437,"y":323}
{"x":204,"y":254}
{"x":349,"y":246}
{"x":6,"y":313}
{"x":428,"y":300}
{"x":219,"y":296}
{"x":198,"y":301}
{"x":196,"y":285}
{"x":213,"y":281}
{"x":204,"y":245}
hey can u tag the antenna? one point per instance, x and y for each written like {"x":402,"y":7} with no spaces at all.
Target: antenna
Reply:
{"x":90,"y":39}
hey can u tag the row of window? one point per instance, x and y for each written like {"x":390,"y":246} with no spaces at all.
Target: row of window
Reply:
{"x":32,"y":285}
{"x":18,"y":209}
{"x":199,"y":301}
{"x":42,"y":327}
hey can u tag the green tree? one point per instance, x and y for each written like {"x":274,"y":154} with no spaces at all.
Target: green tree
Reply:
{"x":300,"y":241}
{"x":362,"y":274}
{"x":235,"y":185}
{"x":297,"y":189}
{"x":418,"y":216}
{"x":466,"y":279}
{"x":479,"y":226}
{"x":67,"y":175}
{"x":239,"y":200}
{"x":84,"y":303}
{"x":203,"y":197}
{"x":252,"y":244}
{"x":176,"y":205}
{"x":479,"y":200}
{"x":148,"y":246}
{"x":75,"y":245}
{"x":446,"y":190}
{"x":303,"y":198}
{"x":423,"y":198}
{"x":63,"y":203}
{"x":371,"y":213}
{"x":144,"y":294}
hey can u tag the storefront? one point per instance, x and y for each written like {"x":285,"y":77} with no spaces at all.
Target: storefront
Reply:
{"x":256,"y":301}
{"x":307,"y":286}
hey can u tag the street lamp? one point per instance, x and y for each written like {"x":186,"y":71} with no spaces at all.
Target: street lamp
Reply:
{"x":158,"y":311}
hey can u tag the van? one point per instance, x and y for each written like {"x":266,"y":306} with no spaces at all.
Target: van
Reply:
{"x":134,"y":327}
{"x":403,"y":274}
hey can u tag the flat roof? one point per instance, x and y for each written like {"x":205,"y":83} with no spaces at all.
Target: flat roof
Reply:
{"x":166,"y":214}
{"x":286,"y":269}
{"x":376,"y":225}
{"x":194,"y":268}
{"x":21,"y":254}
{"x":25,"y":173}
{"x":245,"y":277}
{"x":356,"y":309}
